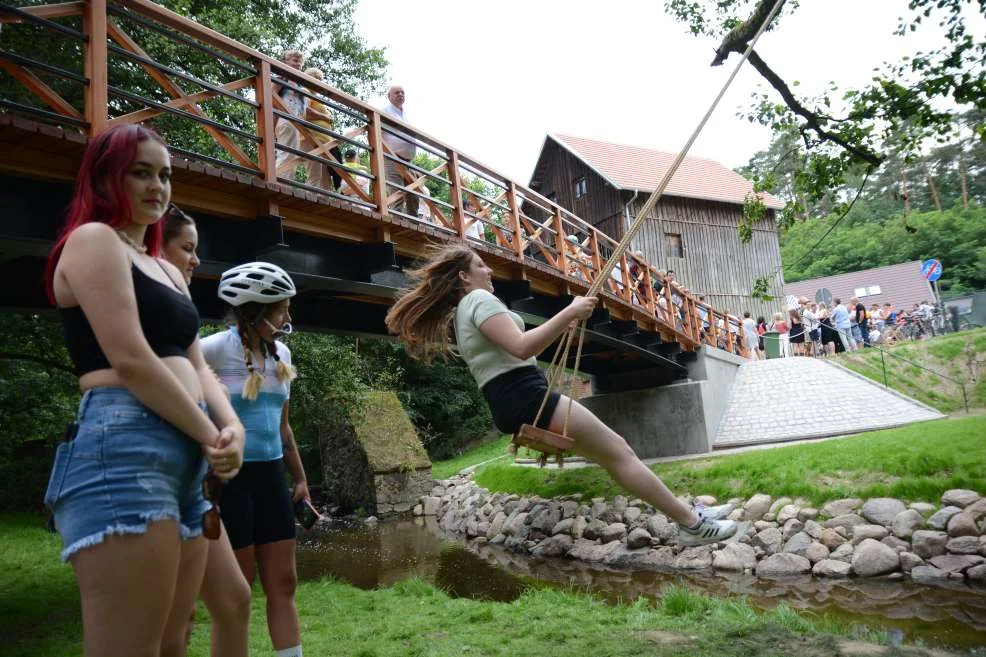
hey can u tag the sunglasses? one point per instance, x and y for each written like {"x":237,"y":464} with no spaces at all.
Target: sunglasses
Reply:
{"x":212,"y":489}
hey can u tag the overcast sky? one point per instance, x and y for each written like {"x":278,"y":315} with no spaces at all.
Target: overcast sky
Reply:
{"x":492,"y":79}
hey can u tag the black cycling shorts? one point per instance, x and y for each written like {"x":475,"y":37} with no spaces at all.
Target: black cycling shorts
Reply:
{"x":514,"y":398}
{"x":256,"y":505}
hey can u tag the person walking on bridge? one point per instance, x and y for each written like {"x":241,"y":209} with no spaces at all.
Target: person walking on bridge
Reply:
{"x":127,"y":485}
{"x":456,"y":283}
{"x":402,"y":148}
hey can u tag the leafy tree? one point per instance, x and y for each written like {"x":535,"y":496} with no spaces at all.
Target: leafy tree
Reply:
{"x":853,"y":131}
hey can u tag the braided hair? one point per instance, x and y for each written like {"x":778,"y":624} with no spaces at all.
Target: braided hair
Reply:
{"x":245,"y":317}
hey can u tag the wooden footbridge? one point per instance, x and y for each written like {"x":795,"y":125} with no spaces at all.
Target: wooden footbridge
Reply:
{"x":213,"y":99}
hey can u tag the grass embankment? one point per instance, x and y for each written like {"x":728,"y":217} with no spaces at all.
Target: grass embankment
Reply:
{"x":39,"y":617}
{"x":959,"y":356}
{"x":913,"y":463}
{"x":485,"y":452}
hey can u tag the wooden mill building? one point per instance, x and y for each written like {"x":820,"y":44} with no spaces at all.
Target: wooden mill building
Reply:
{"x":692,"y":230}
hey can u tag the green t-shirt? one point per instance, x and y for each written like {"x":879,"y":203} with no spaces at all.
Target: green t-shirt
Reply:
{"x":485,"y":359}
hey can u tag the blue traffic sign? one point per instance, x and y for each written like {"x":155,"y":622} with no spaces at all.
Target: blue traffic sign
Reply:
{"x":931,"y":269}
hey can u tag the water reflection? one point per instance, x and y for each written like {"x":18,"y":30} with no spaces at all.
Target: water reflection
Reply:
{"x":370,"y":556}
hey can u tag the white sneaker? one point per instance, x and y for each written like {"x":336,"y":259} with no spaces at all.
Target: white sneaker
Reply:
{"x":713,"y":512}
{"x":708,"y":531}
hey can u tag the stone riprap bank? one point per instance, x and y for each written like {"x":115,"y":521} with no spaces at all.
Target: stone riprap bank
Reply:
{"x":931,"y":543}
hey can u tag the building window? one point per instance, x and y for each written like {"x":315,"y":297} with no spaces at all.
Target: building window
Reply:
{"x":675,"y":248}
{"x":580,"y":187}
{"x":869,"y":291}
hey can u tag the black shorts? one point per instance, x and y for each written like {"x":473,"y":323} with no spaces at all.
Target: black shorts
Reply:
{"x":256,"y":505}
{"x":514,"y":398}
{"x":797,"y":334}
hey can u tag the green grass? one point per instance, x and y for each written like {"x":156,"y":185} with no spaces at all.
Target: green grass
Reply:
{"x":40,"y":618}
{"x":484,"y":452}
{"x":958,"y":356}
{"x":914,"y":463}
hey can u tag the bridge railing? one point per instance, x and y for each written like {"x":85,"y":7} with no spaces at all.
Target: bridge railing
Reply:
{"x":223,"y":103}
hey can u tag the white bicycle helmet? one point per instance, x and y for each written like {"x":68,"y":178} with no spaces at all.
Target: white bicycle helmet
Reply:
{"x":255,"y":281}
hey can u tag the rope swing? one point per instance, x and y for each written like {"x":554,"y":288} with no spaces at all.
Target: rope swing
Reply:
{"x":549,"y":442}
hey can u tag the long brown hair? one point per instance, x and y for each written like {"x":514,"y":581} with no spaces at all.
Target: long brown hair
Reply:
{"x":424,"y":310}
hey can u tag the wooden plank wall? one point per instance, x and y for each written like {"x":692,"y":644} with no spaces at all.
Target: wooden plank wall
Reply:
{"x":715,"y":263}
{"x":557,"y":171}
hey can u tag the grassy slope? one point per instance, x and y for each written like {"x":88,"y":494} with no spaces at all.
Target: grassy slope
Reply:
{"x":485,"y":452}
{"x":917,"y":462}
{"x":960,"y":356}
{"x":39,"y":617}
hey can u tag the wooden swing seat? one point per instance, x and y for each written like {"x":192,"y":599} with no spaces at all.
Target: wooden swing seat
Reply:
{"x":542,"y":440}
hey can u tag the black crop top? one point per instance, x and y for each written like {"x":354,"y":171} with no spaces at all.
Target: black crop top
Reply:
{"x":168,"y":318}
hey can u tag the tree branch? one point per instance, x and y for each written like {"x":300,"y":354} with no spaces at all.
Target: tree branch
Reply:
{"x":811,"y":118}
{"x":6,"y":355}
{"x":737,"y":38}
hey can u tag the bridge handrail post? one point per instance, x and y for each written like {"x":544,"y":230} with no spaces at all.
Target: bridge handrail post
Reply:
{"x":96,"y":54}
{"x":597,"y":262}
{"x":378,"y":186}
{"x":267,"y":152}
{"x":455,"y":193}
{"x":560,"y":240}
{"x":515,"y":219}
{"x":648,"y":284}
{"x":627,"y":292}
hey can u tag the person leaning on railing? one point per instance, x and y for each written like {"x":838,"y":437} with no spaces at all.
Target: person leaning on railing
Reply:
{"x":284,"y":131}
{"x":319,"y":115}
{"x":402,"y":148}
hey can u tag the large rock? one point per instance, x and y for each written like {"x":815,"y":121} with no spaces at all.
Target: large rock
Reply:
{"x":563,"y":526}
{"x":783,"y":565}
{"x":845,"y":520}
{"x":939,"y":520}
{"x":977,"y":509}
{"x":756,"y":506}
{"x":843,"y":553}
{"x":813,"y":529}
{"x":613,"y":532}
{"x":862,"y":532}
{"x":817,"y":552}
{"x":964,"y":545}
{"x":923,"y":508}
{"x":779,"y":504}
{"x":906,"y":523}
{"x":787,"y":512}
{"x":791,"y":527}
{"x":960,"y":497}
{"x":831,"y":539}
{"x":956,"y":563}
{"x":928,"y":575}
{"x":841,"y":507}
{"x":977,"y":574}
{"x":373,"y":460}
{"x":661,"y":528}
{"x":594,"y":529}
{"x":927,"y":544}
{"x":882,"y":510}
{"x":496,"y":525}
{"x":797,"y":544}
{"x":638,"y":538}
{"x":655,"y":559}
{"x":962,"y":524}
{"x":586,"y":550}
{"x":631,"y":515}
{"x":871,"y":557}
{"x":694,"y":558}
{"x":910,"y":561}
{"x":547,"y":518}
{"x":578,"y":526}
{"x":898,"y":544}
{"x":735,"y":556}
{"x":553,"y":546}
{"x":831,"y":568}
{"x":770,"y":540}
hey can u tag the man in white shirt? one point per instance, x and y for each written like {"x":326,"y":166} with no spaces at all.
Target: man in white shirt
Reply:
{"x":401,"y":148}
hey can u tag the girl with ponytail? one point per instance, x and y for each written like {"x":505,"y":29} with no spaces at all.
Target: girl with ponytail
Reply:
{"x":257,"y":506}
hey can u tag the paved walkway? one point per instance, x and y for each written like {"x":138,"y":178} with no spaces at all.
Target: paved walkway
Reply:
{"x":789,"y":399}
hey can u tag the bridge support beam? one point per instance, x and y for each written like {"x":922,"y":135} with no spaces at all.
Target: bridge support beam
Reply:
{"x":676,"y":419}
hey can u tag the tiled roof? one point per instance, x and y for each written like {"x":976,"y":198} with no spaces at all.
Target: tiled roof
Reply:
{"x":633,"y":167}
{"x":901,"y":285}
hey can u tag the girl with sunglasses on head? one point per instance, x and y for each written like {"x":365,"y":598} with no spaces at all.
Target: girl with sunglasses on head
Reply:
{"x":126,"y":488}
{"x":224,"y":588}
{"x":257,"y":507}
{"x":455,"y":287}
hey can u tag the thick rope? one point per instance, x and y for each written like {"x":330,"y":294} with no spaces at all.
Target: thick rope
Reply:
{"x":603,"y":274}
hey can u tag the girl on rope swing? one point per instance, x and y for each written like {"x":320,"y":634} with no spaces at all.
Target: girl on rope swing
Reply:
{"x":456,"y":283}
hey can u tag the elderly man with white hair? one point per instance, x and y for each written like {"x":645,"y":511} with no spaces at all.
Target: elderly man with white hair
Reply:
{"x":401,"y":147}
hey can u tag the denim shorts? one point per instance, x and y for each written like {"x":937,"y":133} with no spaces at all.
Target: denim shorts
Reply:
{"x":125,"y":468}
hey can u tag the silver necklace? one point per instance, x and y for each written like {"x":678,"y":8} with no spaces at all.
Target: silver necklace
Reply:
{"x":140,"y":248}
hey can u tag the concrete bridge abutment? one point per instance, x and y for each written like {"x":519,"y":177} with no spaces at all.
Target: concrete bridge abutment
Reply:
{"x":676,"y":419}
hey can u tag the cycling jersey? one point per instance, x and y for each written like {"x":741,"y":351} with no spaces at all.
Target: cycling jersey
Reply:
{"x":261,"y":417}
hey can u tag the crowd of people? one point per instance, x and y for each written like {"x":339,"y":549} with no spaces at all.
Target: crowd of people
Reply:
{"x":814,"y":329}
